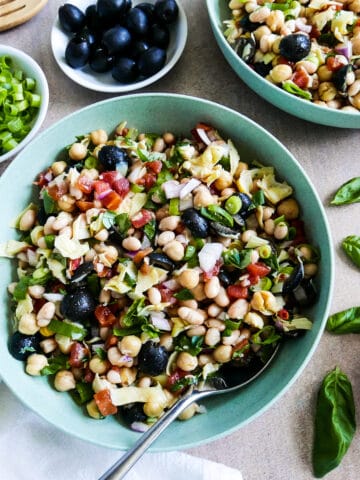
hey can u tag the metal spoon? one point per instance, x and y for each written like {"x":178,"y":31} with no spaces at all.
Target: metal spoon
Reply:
{"x":232,"y":378}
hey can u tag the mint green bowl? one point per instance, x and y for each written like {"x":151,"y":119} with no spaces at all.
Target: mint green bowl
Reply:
{"x":218,"y":12}
{"x":179,"y":114}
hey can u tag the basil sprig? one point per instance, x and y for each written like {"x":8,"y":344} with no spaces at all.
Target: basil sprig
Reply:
{"x":347,"y":321}
{"x":349,"y":192}
{"x":335,"y":422}
{"x":351,"y":246}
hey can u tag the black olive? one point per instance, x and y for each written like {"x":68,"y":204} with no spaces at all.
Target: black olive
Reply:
{"x":246,"y":204}
{"x":93,"y":20}
{"x":305,"y":294}
{"x":137,"y":22}
{"x":88,"y":35}
{"x":117,"y":39}
{"x":82,"y":272}
{"x":149,"y":9}
{"x":341,"y":77}
{"x":166,"y":11}
{"x":138,"y":47}
{"x":159,"y":35}
{"x":100,"y":61}
{"x":152,"y":359}
{"x":112,"y":157}
{"x":294,"y":279}
{"x":295,"y":46}
{"x":239,"y":220}
{"x":247,"y":25}
{"x":227,"y":278}
{"x":133,"y":412}
{"x":245,"y":47}
{"x":224,"y":231}
{"x":162,"y":261}
{"x":21,"y":346}
{"x":197,"y":224}
{"x":124,"y":70}
{"x":262,"y":68}
{"x":77,"y":52}
{"x":78,"y":305}
{"x":111,"y":10}
{"x":71,"y":18}
{"x":151,"y":61}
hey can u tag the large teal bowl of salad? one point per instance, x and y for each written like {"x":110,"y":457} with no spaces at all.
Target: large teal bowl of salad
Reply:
{"x":152,"y":241}
{"x":301,"y":57}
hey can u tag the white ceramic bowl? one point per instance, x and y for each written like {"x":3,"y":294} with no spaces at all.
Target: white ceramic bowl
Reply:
{"x":28,"y":65}
{"x":103,"y":82}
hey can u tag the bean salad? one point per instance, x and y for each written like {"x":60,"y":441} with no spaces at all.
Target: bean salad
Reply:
{"x":150,"y":261}
{"x":310,"y":49}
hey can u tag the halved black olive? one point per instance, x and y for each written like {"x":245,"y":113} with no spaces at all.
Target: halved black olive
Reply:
{"x":21,"y":346}
{"x":197,"y":224}
{"x":152,"y":359}
{"x":245,"y":47}
{"x":294,"y":279}
{"x":112,"y":157}
{"x":78,"y":305}
{"x":247,"y":25}
{"x":228,"y":278}
{"x":246,"y":204}
{"x":305,"y":294}
{"x":295,"y":46}
{"x":341,"y":78}
{"x":162,"y":261}
{"x":224,"y":231}
{"x":133,"y":412}
{"x":82,"y":272}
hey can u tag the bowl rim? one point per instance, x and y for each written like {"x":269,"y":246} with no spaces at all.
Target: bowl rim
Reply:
{"x":77,"y":75}
{"x":190,"y":442}
{"x":36,"y":70}
{"x":291,"y":104}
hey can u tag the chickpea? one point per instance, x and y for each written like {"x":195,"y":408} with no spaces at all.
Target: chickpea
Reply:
{"x":310,"y":269}
{"x":128,"y":375}
{"x":260,"y":15}
{"x":186,"y":361}
{"x":247,"y":235}
{"x":98,"y":137}
{"x":77,"y":151}
{"x":98,"y":365}
{"x":35,"y":363}
{"x":203,"y":197}
{"x":189,"y":412}
{"x":280,"y":73}
{"x":154,"y":296}
{"x":144,"y":382}
{"x":354,"y":89}
{"x":212,"y":337}
{"x":153,"y":409}
{"x":159,"y":145}
{"x":289,"y":208}
{"x":261,"y":31}
{"x":165,"y":237}
{"x":212,"y":287}
{"x":117,"y":358}
{"x":113,"y":376}
{"x":169,"y":138}
{"x":189,"y":278}
{"x":58,"y":167}
{"x":269,"y":226}
{"x":224,"y":181}
{"x":275,"y":20}
{"x":281,"y":231}
{"x":222,"y":353}
{"x":327,"y":91}
{"x":132,"y":244}
{"x":214,"y":310}
{"x":355,"y":101}
{"x":204,"y":359}
{"x":174,"y":250}
{"x":267,"y":42}
{"x":169,"y":223}
{"x":27,"y":220}
{"x":64,"y":381}
{"x":48,"y":345}
{"x":36,"y":291}
{"x":130,"y":345}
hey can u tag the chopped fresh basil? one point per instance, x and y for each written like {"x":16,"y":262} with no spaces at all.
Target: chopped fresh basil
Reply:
{"x":192,"y":345}
{"x":82,"y":393}
{"x":150,"y":229}
{"x":184,"y":294}
{"x":265,"y":336}
{"x":75,"y":332}
{"x":237,"y":258}
{"x":217,"y":214}
{"x":123,"y":223}
{"x":60,"y":362}
{"x":50,"y":205}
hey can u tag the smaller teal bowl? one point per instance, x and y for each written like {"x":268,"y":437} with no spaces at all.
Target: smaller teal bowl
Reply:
{"x":219,"y":12}
{"x":178,"y":114}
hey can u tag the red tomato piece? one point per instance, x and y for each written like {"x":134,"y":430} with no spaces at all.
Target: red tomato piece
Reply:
{"x":237,"y":291}
{"x":104,"y":316}
{"x":104,"y":403}
{"x":121,"y":186}
{"x":301,"y":78}
{"x":283,"y":314}
{"x":334,"y":63}
{"x":141,"y":218}
{"x":155,"y":166}
{"x":112,"y":200}
{"x":148,"y":180}
{"x":78,"y":355}
{"x":258,"y":269}
{"x":110,"y":176}
{"x":101,"y":187}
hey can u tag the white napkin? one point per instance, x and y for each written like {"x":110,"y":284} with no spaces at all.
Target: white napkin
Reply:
{"x":31,"y":448}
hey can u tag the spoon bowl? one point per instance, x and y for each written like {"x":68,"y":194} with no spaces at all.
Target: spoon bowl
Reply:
{"x":232,"y":378}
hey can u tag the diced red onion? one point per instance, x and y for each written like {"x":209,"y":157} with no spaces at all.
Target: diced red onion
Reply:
{"x":344,"y":49}
{"x":100,"y":196}
{"x":203,"y":136}
{"x":139,"y":427}
{"x":189,"y":187}
{"x":159,"y":321}
{"x":172,"y":189}
{"x":209,"y":255}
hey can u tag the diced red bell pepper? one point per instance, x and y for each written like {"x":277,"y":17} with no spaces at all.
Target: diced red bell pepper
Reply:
{"x":101,"y":187}
{"x":112,"y":200}
{"x":104,"y":316}
{"x":154,"y":167}
{"x":78,"y":355}
{"x":110,"y":176}
{"x":104,"y":403}
{"x":237,"y":291}
{"x":141,"y":218}
{"x":258,"y":269}
{"x":121,"y":186}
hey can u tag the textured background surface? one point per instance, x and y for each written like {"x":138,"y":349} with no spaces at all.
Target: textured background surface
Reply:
{"x":276,"y":446}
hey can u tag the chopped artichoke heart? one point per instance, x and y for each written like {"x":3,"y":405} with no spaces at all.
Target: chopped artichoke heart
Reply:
{"x":205,"y":166}
{"x":80,"y":230}
{"x":273,"y":190}
{"x":24,"y":306}
{"x":57,"y":269}
{"x":152,"y":277}
{"x":96,"y":225}
{"x":186,"y":151}
{"x":125,"y":395}
{"x":70,"y":247}
{"x":11,"y":248}
{"x":234,"y":158}
{"x":340,"y":22}
{"x":322,"y":18}
{"x":117,"y":283}
{"x":245,"y":182}
{"x":132,"y":204}
{"x":178,"y":326}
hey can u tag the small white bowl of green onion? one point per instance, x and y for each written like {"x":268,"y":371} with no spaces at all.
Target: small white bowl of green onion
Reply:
{"x":24,"y":99}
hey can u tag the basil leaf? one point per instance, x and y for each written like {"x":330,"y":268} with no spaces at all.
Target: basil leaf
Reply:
{"x":123,"y":223}
{"x":75,"y":332}
{"x":217,"y":214}
{"x":192,"y":345}
{"x":61,"y":362}
{"x":132,"y":316}
{"x":335,"y":422}
{"x":349,"y":192}
{"x":351,"y":246}
{"x":237,"y":258}
{"x":347,"y":321}
{"x":184,"y":294}
{"x":83,"y":393}
{"x":50,"y":205}
{"x":150,"y":230}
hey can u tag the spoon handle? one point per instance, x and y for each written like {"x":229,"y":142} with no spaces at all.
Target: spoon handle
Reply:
{"x":128,"y":460}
